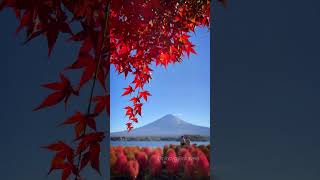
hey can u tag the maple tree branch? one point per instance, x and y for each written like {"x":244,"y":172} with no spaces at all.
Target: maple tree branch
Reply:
{"x":105,"y":30}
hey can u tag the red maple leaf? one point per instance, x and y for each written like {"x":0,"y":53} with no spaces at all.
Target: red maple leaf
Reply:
{"x":129,"y":111}
{"x":63,"y":153}
{"x":137,"y":108}
{"x":63,"y":148}
{"x":135,"y":100}
{"x":129,"y":126}
{"x":81,"y":121}
{"x":63,"y":90}
{"x":88,"y":139}
{"x":67,"y":170}
{"x":144,"y":94}
{"x":91,"y":142}
{"x":134,"y":119}
{"x":92,"y":156}
{"x":102,"y":103}
{"x":89,"y":65}
{"x":128,"y":90}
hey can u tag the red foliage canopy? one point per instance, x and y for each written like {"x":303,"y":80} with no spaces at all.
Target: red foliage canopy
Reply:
{"x":131,"y":35}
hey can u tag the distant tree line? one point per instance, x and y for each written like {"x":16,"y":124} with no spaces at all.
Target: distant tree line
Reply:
{"x":158,"y":138}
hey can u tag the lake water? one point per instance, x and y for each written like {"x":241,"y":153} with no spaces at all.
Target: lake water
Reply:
{"x":152,"y":143}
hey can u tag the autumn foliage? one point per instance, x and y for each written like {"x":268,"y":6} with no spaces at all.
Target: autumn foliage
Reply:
{"x":171,"y":162}
{"x":130,"y":35}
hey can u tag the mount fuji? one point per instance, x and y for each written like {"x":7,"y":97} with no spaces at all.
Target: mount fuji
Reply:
{"x":167,"y":126}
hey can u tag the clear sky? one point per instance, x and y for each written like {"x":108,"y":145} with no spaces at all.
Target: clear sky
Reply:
{"x":181,"y":89}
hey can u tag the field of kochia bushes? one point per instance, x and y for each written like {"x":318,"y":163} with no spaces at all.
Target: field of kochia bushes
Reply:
{"x":170,"y":162}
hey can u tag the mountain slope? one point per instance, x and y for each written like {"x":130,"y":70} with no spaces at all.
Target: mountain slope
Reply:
{"x":166,"y":126}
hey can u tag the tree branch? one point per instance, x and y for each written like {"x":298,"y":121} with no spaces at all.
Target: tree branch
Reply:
{"x":105,"y":29}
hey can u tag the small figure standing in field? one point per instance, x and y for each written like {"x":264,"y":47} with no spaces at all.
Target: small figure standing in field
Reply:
{"x":188,"y":142}
{"x":182,"y":141}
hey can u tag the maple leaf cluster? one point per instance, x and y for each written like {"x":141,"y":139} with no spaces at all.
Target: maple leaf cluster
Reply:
{"x":50,"y":18}
{"x":130,"y":35}
{"x":155,"y":32}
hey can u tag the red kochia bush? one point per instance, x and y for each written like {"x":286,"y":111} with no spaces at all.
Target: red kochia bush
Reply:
{"x":147,"y":150}
{"x":202,"y":163}
{"x":187,"y":164}
{"x":177,"y":163}
{"x":133,"y":169}
{"x":181,"y":155}
{"x":155,"y":165}
{"x":203,"y":166}
{"x":142,"y":158}
{"x":121,"y":163}
{"x":182,"y":152}
{"x":172,"y":162}
{"x":119,"y":149}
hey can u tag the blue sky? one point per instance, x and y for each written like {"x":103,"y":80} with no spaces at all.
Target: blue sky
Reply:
{"x":181,"y":89}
